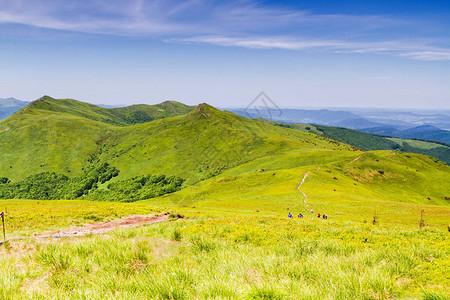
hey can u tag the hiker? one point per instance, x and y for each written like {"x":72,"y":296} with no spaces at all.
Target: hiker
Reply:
{"x":300,"y":216}
{"x":318,"y":215}
{"x":289,"y":215}
{"x":312,"y":211}
{"x":326,"y":217}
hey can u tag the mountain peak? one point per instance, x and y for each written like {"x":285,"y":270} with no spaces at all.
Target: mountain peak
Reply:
{"x":205,"y":110}
{"x":45,"y":97}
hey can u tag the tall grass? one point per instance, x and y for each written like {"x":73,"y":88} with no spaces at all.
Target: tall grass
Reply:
{"x":194,"y":260}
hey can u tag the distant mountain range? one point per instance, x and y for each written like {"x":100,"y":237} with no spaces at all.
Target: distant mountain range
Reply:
{"x":426,"y":125}
{"x":9,"y":106}
{"x":407,"y":119}
{"x":323,"y":117}
{"x":425,"y":132}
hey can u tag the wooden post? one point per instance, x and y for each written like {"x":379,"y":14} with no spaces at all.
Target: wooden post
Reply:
{"x":422,"y":221}
{"x":3,"y":221}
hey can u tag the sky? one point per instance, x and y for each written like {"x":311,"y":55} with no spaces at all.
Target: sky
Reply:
{"x":391,"y":54}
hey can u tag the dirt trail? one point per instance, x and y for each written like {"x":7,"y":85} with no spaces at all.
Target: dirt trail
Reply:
{"x":102,"y":227}
{"x":300,"y":185}
{"x":303,"y":180}
{"x":355,"y":159}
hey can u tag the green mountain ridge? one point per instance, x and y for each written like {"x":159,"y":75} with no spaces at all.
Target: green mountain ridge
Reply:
{"x":203,"y":146}
{"x":121,"y":116}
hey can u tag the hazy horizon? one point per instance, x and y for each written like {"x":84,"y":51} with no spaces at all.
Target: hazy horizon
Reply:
{"x":349,"y":108}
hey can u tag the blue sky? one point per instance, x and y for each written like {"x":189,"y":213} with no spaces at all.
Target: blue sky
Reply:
{"x":301,"y":53}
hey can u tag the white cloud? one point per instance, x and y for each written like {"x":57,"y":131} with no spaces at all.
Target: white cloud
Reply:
{"x":141,"y":17}
{"x":428,"y":55}
{"x":410,"y":49}
{"x":243,"y":23}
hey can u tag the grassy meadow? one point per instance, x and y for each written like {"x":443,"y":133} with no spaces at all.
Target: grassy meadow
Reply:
{"x":233,"y":257}
{"x":234,"y":240}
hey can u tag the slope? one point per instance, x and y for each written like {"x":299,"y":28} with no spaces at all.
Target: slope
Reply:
{"x":393,"y":185}
{"x":37,"y":141}
{"x":51,"y":135}
{"x":203,"y":144}
{"x":367,"y":141}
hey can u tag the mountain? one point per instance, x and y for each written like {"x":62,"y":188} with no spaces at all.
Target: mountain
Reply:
{"x":424,"y":132}
{"x":71,"y":138}
{"x":9,"y":106}
{"x":64,"y":135}
{"x":356,"y":123}
{"x":120,"y":116}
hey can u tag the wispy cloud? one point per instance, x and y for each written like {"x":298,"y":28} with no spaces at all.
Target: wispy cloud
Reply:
{"x":428,"y":55}
{"x":410,"y":49}
{"x":235,"y":23}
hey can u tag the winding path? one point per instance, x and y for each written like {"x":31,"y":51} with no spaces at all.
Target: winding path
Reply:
{"x":103,"y":227}
{"x":300,"y":185}
{"x":355,"y":159}
{"x":98,"y":228}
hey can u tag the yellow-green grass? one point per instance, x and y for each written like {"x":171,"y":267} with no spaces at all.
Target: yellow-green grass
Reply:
{"x":241,"y":244}
{"x":351,"y":188}
{"x":27,"y":217}
{"x":232,"y":258}
{"x":346,"y":185}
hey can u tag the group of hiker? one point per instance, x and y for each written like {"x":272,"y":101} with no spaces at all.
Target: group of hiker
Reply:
{"x":300,"y":215}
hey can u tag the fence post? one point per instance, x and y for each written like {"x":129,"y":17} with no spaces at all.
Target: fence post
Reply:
{"x":3,"y":221}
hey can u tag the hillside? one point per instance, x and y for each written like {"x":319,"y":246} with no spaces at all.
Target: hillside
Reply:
{"x":9,"y":106}
{"x":51,"y":135}
{"x":368,"y":141}
{"x":207,"y":144}
{"x":196,"y":146}
{"x":360,"y":140}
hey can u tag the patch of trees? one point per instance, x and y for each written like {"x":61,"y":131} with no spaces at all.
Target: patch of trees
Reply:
{"x":52,"y":186}
{"x":361,"y":140}
{"x":138,"y":188}
{"x":138,"y":117}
